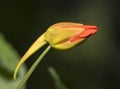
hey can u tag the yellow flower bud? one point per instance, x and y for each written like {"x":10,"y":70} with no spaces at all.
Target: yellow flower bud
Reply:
{"x":63,"y":35}
{"x":66,"y":35}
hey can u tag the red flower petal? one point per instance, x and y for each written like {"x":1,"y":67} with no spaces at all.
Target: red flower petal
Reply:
{"x":88,"y":31}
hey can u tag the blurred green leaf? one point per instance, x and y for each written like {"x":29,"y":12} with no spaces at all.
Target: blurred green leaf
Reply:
{"x":58,"y":83}
{"x":8,"y":61}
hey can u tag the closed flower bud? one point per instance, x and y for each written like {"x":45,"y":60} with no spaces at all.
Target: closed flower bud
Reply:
{"x":62,"y":36}
{"x":66,"y":35}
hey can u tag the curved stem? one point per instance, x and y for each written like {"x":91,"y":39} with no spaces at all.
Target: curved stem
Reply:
{"x":20,"y":86}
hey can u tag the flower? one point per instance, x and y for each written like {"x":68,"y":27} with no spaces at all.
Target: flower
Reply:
{"x":63,"y":35}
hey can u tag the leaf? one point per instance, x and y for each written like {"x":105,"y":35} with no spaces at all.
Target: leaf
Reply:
{"x":8,"y":61}
{"x":58,"y":83}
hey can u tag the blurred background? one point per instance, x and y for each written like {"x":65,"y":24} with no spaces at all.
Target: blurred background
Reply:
{"x":95,"y":64}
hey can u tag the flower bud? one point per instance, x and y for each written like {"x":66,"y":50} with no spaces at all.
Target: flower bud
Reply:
{"x":63,"y":35}
{"x":66,"y":35}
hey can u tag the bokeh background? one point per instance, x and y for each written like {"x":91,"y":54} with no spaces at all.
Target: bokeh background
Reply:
{"x":95,"y":64}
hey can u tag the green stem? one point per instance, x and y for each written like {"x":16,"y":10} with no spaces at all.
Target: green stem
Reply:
{"x":20,"y":86}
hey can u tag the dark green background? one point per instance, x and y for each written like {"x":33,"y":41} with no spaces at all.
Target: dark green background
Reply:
{"x":92,"y":65}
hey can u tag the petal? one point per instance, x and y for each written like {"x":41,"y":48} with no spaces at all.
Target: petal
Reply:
{"x":59,"y":36}
{"x":64,"y":25}
{"x":89,"y":30}
{"x":68,"y":44}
